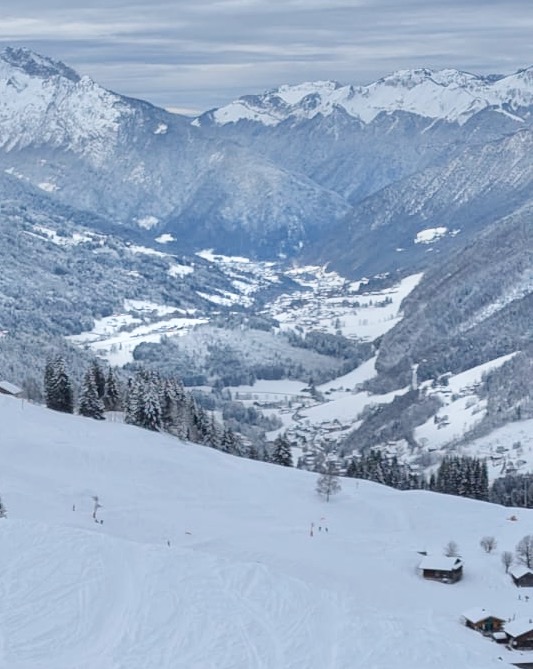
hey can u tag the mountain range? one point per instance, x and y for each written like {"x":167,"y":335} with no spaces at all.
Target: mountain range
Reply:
{"x":420,"y":171}
{"x":279,"y":173}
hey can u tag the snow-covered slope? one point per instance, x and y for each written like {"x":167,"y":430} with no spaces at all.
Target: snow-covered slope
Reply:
{"x":446,"y":94}
{"x":146,"y":169}
{"x":205,"y":561}
{"x":42,"y":101}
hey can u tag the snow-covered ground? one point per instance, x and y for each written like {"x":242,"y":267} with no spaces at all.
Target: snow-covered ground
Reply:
{"x":205,"y":561}
{"x":115,"y":337}
{"x":462,"y":408}
{"x":508,"y":449}
{"x":330,"y":303}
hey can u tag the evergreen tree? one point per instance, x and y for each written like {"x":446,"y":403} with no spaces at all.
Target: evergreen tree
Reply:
{"x":229,"y":442}
{"x":99,"y":378}
{"x":143,"y":405}
{"x":58,"y":388}
{"x":281,"y":452}
{"x":111,"y":394}
{"x":212,"y":436}
{"x":3,"y":510}
{"x":90,"y":403}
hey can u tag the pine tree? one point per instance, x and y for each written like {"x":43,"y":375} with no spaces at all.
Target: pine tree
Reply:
{"x":111,"y":393}
{"x":143,"y":405}
{"x":228,"y":443}
{"x":90,"y":404}
{"x":212,"y":436}
{"x":49,"y":383}
{"x":149,"y":406}
{"x":58,"y":388}
{"x":281,"y":452}
{"x":99,"y":378}
{"x":3,"y":510}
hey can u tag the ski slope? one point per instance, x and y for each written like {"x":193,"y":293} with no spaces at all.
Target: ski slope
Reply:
{"x":206,"y":561}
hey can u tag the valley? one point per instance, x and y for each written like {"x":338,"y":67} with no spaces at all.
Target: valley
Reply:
{"x":320,"y":283}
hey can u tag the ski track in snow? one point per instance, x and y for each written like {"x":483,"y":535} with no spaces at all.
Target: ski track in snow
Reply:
{"x":243,"y":585}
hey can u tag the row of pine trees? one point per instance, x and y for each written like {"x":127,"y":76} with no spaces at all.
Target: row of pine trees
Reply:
{"x":162,"y":404}
{"x":463,"y":476}
{"x":153,"y":402}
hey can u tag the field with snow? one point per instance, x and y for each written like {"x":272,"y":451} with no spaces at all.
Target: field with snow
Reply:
{"x":204,"y":560}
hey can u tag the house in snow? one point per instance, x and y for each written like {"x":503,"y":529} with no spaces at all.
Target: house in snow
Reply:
{"x":520,"y":633}
{"x":522,"y":576}
{"x":7,"y":388}
{"x":441,"y":568}
{"x":482,"y":620}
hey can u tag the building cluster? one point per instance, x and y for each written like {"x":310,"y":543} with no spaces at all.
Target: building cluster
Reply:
{"x":517,"y":633}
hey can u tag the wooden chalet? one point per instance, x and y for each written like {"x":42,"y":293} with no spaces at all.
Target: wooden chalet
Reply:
{"x":443,"y":569}
{"x":483,"y":621}
{"x":7,"y":388}
{"x":522,"y":576}
{"x":520,"y":633}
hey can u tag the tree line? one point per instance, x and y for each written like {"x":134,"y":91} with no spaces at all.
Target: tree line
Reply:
{"x":463,"y":476}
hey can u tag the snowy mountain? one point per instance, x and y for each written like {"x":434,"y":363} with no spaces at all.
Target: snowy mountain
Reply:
{"x":447,"y":95}
{"x":436,"y":211}
{"x":259,"y":189}
{"x":143,"y":168}
{"x":201,"y":559}
{"x":111,"y":200}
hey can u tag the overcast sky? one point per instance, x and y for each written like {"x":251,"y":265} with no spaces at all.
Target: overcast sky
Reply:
{"x":198,"y":54}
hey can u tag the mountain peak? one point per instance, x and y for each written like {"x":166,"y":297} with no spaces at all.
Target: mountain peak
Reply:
{"x":33,"y":64}
{"x":447,"y":94}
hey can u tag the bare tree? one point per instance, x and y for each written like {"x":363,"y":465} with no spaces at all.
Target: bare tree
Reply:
{"x":507,"y":560}
{"x":524,"y":550}
{"x":328,"y":483}
{"x":488,"y":544}
{"x":97,"y":506}
{"x":451,"y":549}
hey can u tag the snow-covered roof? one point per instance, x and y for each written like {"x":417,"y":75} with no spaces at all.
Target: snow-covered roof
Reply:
{"x":520,"y":570}
{"x":477,"y":614}
{"x":10,"y":388}
{"x":440,"y":563}
{"x":518,"y":627}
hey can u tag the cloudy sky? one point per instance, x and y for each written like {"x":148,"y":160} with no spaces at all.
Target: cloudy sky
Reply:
{"x":198,"y":54}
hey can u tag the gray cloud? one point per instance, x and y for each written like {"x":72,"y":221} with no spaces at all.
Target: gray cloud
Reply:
{"x":202,"y":53}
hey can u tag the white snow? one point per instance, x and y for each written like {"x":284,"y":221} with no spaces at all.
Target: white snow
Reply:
{"x":462,"y":409}
{"x":161,"y":129}
{"x":48,"y":187}
{"x":508,"y":448}
{"x":208,"y":254}
{"x":447,"y":94}
{"x":147,"y":222}
{"x":165,"y":238}
{"x":242,"y":585}
{"x":430,"y":235}
{"x":330,"y":303}
{"x":115,"y":337}
{"x":61,"y":240}
{"x":135,"y":248}
{"x":180,"y":270}
{"x":60,"y":111}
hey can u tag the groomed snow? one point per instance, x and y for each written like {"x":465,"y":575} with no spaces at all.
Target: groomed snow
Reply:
{"x":243,"y":584}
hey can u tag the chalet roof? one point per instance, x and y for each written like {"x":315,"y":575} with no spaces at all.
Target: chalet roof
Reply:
{"x":519,"y":570}
{"x":440,"y":563}
{"x":519,"y":627}
{"x":477,"y":614}
{"x":10,"y":388}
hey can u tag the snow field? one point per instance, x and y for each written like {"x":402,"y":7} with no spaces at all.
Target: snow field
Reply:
{"x":242,"y":585}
